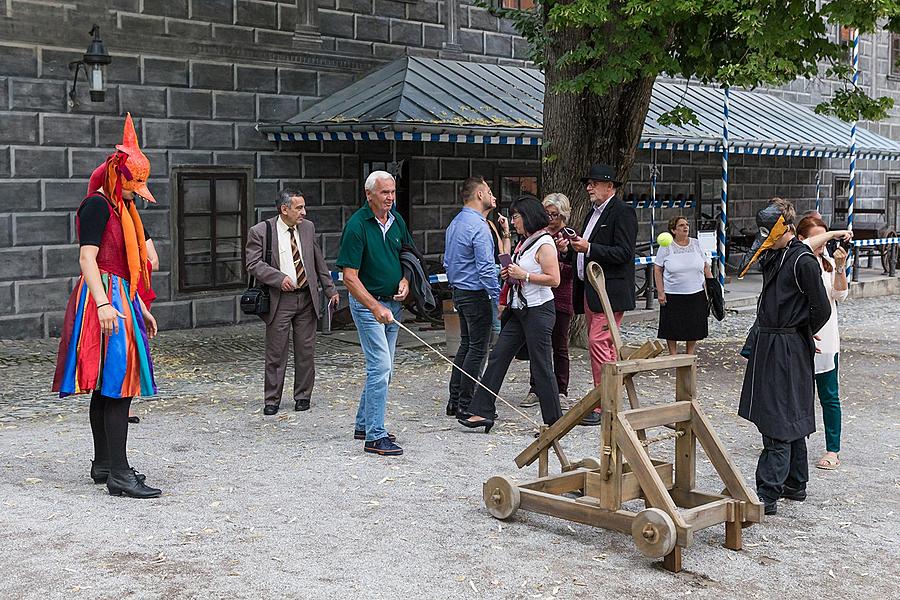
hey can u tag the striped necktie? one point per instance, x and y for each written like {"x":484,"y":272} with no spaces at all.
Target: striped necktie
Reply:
{"x":298,"y":264}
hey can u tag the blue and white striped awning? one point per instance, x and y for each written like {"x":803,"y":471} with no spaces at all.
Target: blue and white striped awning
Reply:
{"x":435,"y":100}
{"x":339,"y":136}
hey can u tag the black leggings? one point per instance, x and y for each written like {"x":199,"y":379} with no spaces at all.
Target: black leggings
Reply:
{"x":109,"y":425}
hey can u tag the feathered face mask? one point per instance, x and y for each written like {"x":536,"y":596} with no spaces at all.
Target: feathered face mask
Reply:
{"x":771,"y":226}
{"x":137,"y":163}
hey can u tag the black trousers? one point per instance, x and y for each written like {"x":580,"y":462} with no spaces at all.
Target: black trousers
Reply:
{"x":475,"y":316}
{"x":532,"y":328}
{"x":781,"y":465}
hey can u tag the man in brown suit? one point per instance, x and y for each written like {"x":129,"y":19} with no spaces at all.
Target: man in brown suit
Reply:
{"x":297,"y":272}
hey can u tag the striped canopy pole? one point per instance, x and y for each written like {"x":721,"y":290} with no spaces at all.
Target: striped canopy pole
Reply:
{"x":851,"y":200}
{"x":818,"y":191}
{"x":653,"y":171}
{"x":723,"y":213}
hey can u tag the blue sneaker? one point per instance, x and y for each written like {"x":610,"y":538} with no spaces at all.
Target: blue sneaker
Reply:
{"x":384,"y":447}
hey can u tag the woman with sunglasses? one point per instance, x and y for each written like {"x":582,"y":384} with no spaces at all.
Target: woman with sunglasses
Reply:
{"x":528,"y":319}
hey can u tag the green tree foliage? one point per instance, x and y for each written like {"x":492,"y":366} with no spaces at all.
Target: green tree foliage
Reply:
{"x":745,"y":43}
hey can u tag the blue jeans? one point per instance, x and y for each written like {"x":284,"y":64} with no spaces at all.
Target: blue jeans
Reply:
{"x":378,"y":342}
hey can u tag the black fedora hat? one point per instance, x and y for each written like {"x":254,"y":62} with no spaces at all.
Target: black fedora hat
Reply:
{"x":600,"y":172}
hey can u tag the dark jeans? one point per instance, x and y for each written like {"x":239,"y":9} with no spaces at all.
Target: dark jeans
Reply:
{"x":474,"y":308}
{"x":532,"y":328}
{"x":781,"y":464}
{"x":560,"y":353}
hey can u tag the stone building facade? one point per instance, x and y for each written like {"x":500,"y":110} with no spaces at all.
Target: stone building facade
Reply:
{"x":198,"y":75}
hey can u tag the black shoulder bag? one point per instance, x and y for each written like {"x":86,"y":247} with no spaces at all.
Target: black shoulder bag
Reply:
{"x":255,"y":301}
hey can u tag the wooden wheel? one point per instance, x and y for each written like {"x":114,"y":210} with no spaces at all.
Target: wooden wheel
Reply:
{"x":501,"y":497}
{"x":653,"y":532}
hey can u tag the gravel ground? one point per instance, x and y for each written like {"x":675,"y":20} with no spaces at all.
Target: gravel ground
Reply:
{"x":289,"y":506}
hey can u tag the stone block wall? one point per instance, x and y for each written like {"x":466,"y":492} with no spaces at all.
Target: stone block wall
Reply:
{"x":197,"y":75}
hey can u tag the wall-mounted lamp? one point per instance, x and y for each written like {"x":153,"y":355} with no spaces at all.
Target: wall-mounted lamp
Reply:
{"x":94,"y":64}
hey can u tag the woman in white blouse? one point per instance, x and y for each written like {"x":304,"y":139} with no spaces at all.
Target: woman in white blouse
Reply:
{"x":834,"y":276}
{"x":680,"y":270}
{"x":528,"y":319}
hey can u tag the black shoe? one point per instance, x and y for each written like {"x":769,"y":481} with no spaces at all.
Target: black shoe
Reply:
{"x":592,"y":420}
{"x":770,"y":509}
{"x":270,"y":409}
{"x":134,"y":419}
{"x":383,"y":447}
{"x":360,"y":434}
{"x":301,"y":405}
{"x":792,"y":494}
{"x":125,"y":483}
{"x":486,"y":423}
{"x":452,"y":407}
{"x":101,"y":473}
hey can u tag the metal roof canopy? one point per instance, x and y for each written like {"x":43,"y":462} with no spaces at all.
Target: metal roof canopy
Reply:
{"x":434,"y":100}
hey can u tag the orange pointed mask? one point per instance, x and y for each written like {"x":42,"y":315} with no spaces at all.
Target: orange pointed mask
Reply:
{"x":137,"y":163}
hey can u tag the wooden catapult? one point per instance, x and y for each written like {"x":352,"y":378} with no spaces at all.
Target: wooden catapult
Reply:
{"x":592,"y":491}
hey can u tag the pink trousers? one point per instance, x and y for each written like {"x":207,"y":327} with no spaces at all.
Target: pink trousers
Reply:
{"x":600,"y":342}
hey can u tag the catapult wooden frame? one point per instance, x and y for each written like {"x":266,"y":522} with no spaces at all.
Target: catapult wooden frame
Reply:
{"x":591,"y":491}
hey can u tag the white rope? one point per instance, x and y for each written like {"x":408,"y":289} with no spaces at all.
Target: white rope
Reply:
{"x":450,"y":362}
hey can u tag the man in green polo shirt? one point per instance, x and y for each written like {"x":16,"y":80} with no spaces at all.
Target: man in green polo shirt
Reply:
{"x":370,"y":261}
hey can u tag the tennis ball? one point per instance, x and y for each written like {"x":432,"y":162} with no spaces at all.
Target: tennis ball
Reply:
{"x":664,"y":239}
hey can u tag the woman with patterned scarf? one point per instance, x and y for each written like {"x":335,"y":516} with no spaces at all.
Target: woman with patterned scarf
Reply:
{"x":104,"y":347}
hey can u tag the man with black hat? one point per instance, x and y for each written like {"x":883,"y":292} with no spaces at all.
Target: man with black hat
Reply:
{"x":778,"y":391}
{"x":610,"y":233}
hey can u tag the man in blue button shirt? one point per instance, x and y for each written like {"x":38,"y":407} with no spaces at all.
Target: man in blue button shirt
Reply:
{"x":469,"y":264}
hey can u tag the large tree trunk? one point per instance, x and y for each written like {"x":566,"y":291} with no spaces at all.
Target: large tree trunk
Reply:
{"x":582,"y":129}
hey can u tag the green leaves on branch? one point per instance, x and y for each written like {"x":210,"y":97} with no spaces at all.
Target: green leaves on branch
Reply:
{"x":594,"y":46}
{"x":854,"y":104}
{"x":678,"y":117}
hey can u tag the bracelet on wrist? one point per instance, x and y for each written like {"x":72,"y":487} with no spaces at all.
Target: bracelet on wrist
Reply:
{"x":527,"y":277}
{"x":102,"y":305}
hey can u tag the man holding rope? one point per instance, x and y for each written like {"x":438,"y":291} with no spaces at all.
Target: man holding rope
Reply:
{"x":369,"y":258}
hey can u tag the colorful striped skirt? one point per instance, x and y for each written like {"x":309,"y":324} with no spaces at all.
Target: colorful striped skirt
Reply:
{"x":119,"y":365}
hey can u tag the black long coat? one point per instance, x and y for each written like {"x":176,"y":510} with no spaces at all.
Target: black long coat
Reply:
{"x":779,"y":386}
{"x":612,"y":247}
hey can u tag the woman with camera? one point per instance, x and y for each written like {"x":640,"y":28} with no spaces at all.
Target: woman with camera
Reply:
{"x":558,"y":211}
{"x":528,"y":319}
{"x":680,"y":270}
{"x":834,"y":276}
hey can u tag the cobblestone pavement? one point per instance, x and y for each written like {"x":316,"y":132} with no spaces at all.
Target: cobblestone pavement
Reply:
{"x":289,"y":506}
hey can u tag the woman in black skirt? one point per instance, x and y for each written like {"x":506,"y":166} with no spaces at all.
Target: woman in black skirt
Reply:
{"x":681,"y":269}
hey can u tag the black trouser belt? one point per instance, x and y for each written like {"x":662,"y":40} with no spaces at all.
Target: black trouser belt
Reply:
{"x":778,"y":330}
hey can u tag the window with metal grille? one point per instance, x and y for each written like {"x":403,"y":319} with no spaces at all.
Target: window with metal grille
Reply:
{"x":893,"y":206}
{"x":841,"y":194}
{"x":895,"y":55}
{"x":211,"y":215}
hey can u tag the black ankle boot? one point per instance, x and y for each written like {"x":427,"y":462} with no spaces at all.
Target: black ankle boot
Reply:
{"x":99,"y":473}
{"x":125,"y":482}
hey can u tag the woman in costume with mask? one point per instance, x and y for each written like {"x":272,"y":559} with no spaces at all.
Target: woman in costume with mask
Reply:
{"x":104,"y":348}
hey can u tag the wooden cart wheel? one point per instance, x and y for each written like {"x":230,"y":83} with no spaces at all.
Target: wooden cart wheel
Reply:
{"x":501,"y":497}
{"x":653,"y":532}
{"x":590,"y":463}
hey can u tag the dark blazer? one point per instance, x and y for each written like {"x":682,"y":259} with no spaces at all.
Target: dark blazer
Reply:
{"x":317,"y":272}
{"x":612,"y":247}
